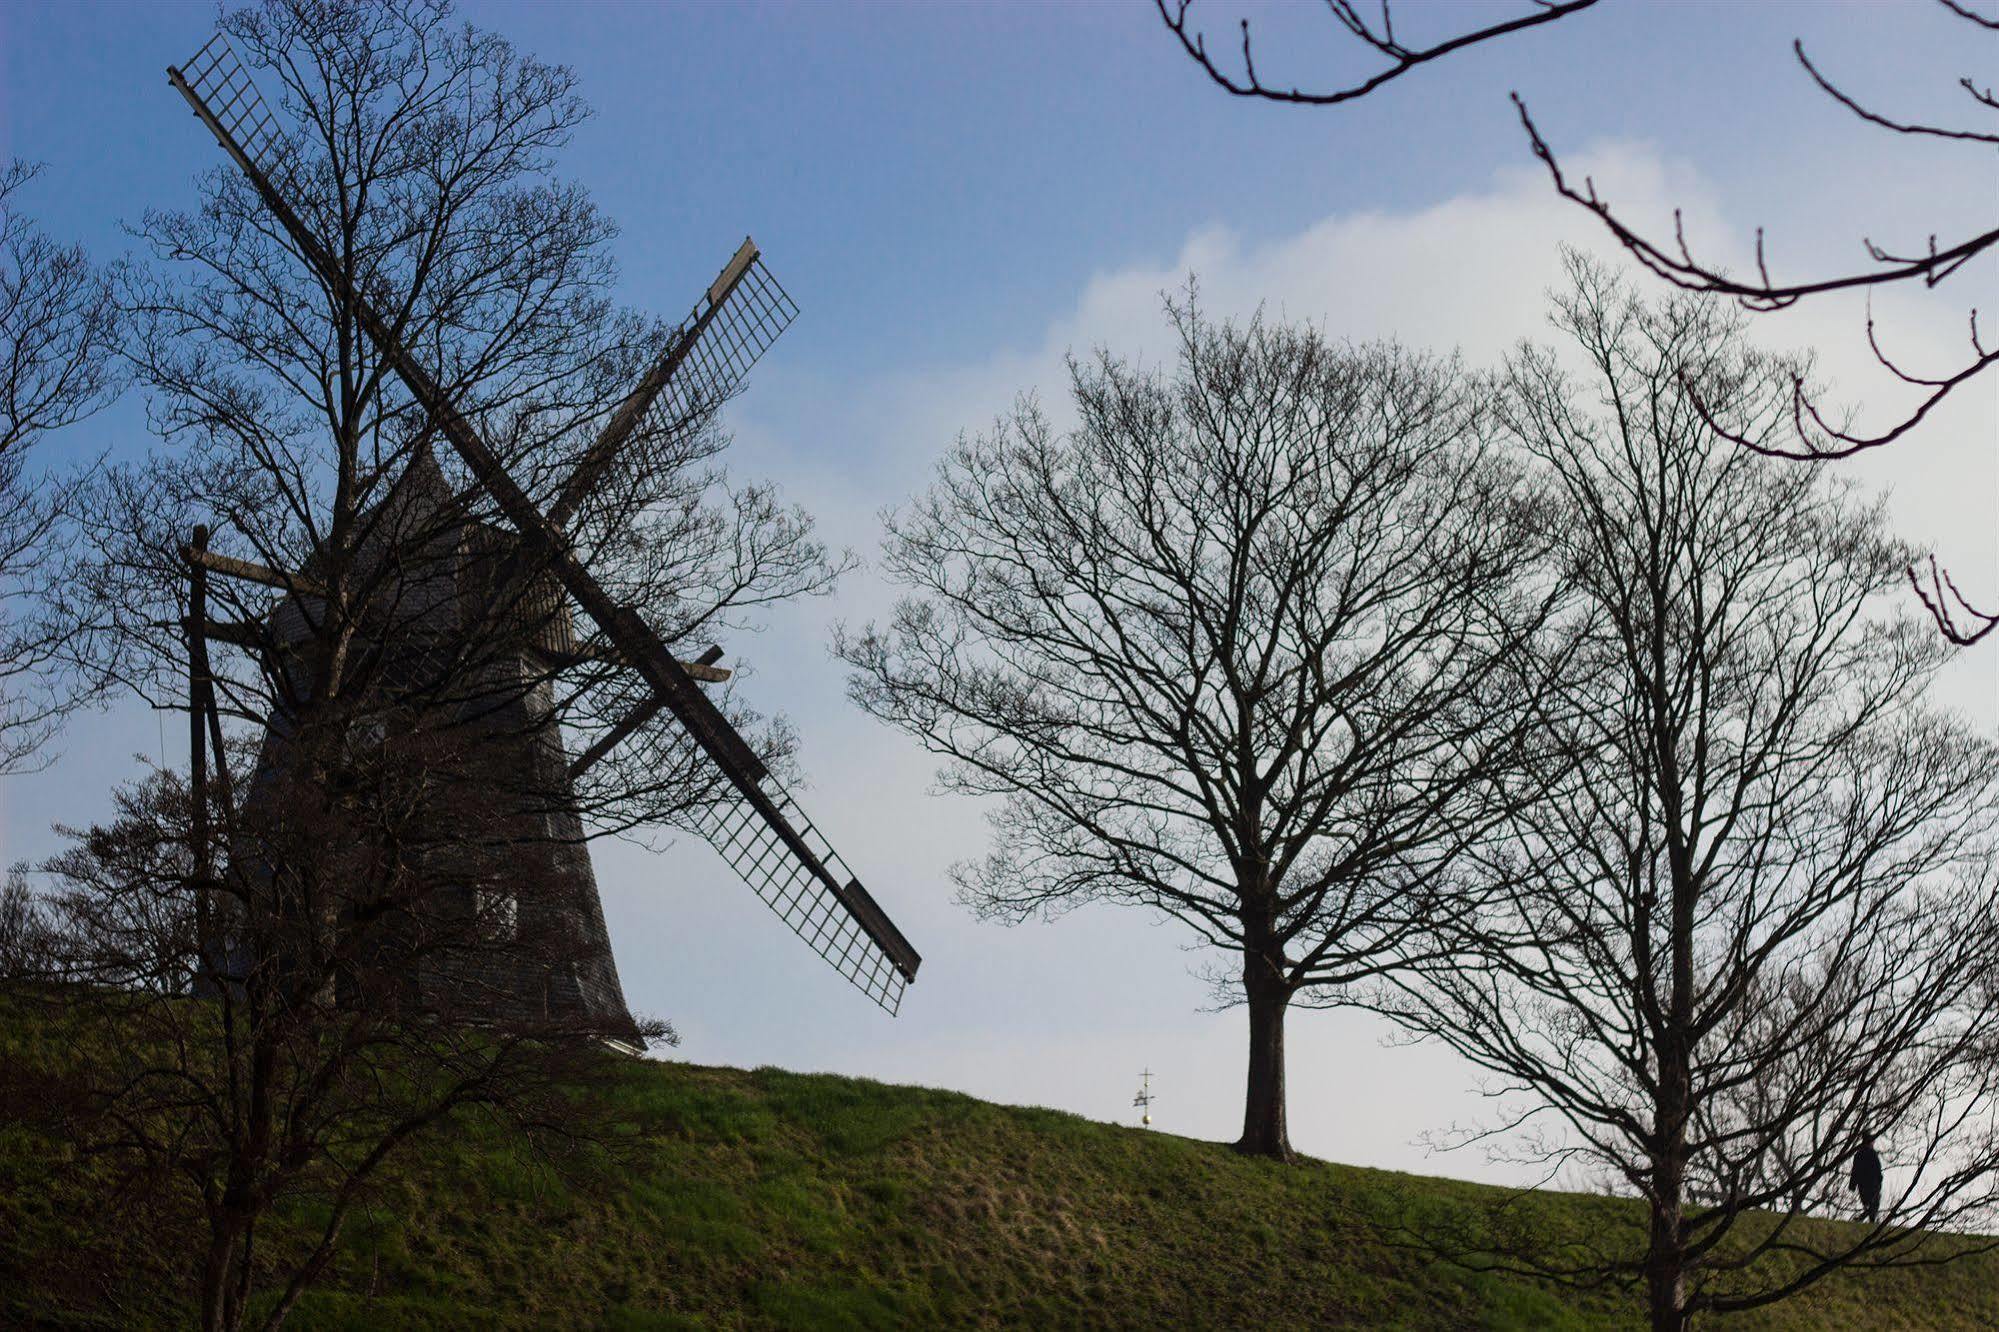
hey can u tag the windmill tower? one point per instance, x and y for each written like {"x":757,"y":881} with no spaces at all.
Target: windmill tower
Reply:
{"x":472,"y":566}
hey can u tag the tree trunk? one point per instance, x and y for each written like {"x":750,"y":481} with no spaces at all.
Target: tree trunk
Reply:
{"x":221,"y":1270}
{"x":214,"y":1281}
{"x":1264,"y":1132}
{"x":1664,"y":1270}
{"x":1665,"y":1255}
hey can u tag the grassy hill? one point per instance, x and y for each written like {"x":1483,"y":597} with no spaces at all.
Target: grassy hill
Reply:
{"x":771,"y":1199}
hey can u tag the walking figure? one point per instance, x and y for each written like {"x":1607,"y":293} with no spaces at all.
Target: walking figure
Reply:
{"x":1867,"y":1177}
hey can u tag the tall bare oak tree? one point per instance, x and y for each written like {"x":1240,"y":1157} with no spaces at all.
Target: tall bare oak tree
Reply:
{"x":1233,"y":650}
{"x":1749,"y":906}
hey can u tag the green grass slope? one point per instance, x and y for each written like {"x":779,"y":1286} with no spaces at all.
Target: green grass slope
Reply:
{"x":768,"y":1199}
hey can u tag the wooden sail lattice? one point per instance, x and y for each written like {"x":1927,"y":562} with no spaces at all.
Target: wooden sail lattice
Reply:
{"x":845,"y":926}
{"x":747,"y":317}
{"x":754,"y":822}
{"x":705,"y":361}
{"x":230,"y":100}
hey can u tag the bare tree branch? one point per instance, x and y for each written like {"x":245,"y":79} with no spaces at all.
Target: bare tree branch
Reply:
{"x":1960,"y":621}
{"x":1675,"y":261}
{"x":1402,"y":59}
{"x":58,"y":330}
{"x":1679,"y":266}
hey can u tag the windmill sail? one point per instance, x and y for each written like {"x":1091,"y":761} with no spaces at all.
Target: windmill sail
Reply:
{"x":756,"y":826}
{"x":705,"y":362}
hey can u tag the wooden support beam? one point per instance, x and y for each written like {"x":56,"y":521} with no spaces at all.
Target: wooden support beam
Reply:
{"x":253,"y":573}
{"x":244,"y":633}
{"x":630,"y":722}
{"x":241,"y":633}
{"x":705,"y":673}
{"x":702,"y":669}
{"x":197,"y":756}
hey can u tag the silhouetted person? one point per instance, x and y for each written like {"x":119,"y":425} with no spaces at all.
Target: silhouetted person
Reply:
{"x":1867,"y":1177}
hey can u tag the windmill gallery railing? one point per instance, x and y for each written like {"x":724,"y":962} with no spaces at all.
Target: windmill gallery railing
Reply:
{"x":755,"y":824}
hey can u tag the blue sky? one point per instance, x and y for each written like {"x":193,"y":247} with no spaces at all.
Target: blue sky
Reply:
{"x":935,"y":177}
{"x":958,"y":194}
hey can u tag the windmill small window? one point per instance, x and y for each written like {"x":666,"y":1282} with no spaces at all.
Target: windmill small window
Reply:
{"x":496,"y":909}
{"x":367,"y":732}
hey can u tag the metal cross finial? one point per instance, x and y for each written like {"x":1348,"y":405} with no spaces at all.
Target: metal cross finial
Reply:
{"x":1144,"y":1098}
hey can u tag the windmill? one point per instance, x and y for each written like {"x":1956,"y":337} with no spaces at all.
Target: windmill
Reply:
{"x":753,"y":822}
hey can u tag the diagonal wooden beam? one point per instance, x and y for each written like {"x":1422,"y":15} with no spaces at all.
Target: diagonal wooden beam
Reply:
{"x":612,"y":738}
{"x":242,"y":633}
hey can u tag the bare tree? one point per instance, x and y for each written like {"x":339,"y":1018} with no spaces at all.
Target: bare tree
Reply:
{"x":1812,"y":434}
{"x":58,"y":324}
{"x":1750,"y":910}
{"x":368,"y":907}
{"x":318,"y":1061}
{"x":1233,"y":650}
{"x":22,"y":929}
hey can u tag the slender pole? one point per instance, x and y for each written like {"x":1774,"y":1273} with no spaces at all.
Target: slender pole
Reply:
{"x":197,"y":758}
